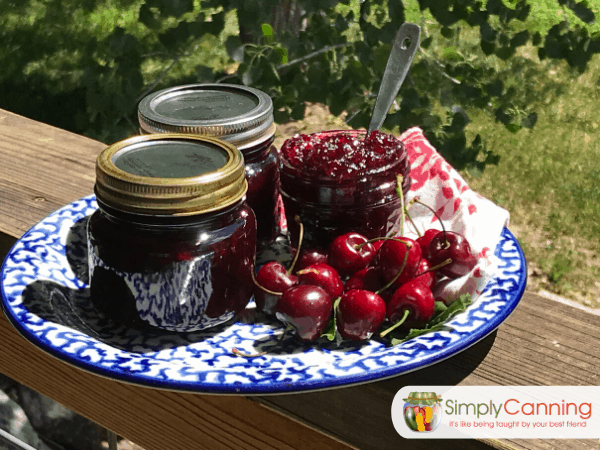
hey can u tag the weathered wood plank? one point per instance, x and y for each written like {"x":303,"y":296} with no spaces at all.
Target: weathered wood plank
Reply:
{"x":156,"y":419}
{"x":42,"y":168}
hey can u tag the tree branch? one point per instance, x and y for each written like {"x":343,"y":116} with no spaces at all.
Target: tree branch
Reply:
{"x":311,"y":55}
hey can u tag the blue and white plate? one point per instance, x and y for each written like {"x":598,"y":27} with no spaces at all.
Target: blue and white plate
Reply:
{"x":46,"y":296}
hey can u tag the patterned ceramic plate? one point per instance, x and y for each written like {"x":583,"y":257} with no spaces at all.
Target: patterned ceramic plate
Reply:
{"x":46,"y":297}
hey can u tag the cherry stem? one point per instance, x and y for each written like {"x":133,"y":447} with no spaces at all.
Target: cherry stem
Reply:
{"x":262,"y":288}
{"x":399,"y":180}
{"x":236,"y":352}
{"x":393,"y":280}
{"x":396,"y":325}
{"x":412,"y":221}
{"x":381,"y":238}
{"x":300,"y":238}
{"x":442,"y":264}
{"x":435,"y":214}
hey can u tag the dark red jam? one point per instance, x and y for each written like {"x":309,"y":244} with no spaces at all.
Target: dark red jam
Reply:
{"x":338,"y":182}
{"x":175,"y":274}
{"x":341,"y":155}
{"x":262,"y":173}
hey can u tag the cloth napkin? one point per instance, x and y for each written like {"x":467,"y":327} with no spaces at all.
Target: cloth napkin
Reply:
{"x":461,"y":209}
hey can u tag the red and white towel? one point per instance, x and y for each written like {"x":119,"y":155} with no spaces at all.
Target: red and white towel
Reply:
{"x":462,"y":210}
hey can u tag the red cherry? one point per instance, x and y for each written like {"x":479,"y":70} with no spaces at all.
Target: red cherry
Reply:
{"x":415,"y":298}
{"x":428,"y":278}
{"x":273,"y":277}
{"x":360,"y":313}
{"x":368,"y":278}
{"x":454,"y":246}
{"x":350,"y":252}
{"x":307,"y":309}
{"x":309,"y":257}
{"x":424,"y":241}
{"x":322,"y":275}
{"x":391,"y":256}
{"x":377,"y":244}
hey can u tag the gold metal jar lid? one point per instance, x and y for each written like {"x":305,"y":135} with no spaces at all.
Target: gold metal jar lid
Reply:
{"x":170,"y":175}
{"x":238,"y":114}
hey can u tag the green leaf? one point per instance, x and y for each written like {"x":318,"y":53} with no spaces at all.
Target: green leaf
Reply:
{"x":283,"y":54}
{"x":439,"y":307}
{"x":458,"y":306}
{"x":267,"y":31}
{"x":452,"y":54}
{"x":438,"y":322}
{"x":331,"y":329}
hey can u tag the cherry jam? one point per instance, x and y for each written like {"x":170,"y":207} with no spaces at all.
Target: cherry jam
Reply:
{"x":173,"y":241}
{"x":338,"y":182}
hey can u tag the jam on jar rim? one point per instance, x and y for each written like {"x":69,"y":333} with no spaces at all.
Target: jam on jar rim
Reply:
{"x":234,"y":113}
{"x":176,"y":195}
{"x":288,"y":168}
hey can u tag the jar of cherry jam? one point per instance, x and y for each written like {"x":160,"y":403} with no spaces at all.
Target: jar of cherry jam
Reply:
{"x":338,"y":182}
{"x":240,"y":115}
{"x":172,"y":243}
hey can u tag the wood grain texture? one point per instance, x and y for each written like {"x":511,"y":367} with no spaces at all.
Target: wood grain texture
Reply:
{"x":42,"y":168}
{"x":156,"y":419}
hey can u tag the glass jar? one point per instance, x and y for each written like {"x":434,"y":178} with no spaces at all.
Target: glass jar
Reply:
{"x":172,"y":243}
{"x":422,"y":411}
{"x":240,"y":115}
{"x":366,"y":203}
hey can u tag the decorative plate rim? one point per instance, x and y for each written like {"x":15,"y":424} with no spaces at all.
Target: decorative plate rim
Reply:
{"x":270,"y":388}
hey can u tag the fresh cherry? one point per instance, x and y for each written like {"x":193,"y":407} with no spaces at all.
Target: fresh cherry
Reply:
{"x":360,"y":313}
{"x":350,"y":253}
{"x":368,"y":278}
{"x":453,"y":246}
{"x":415,"y":298}
{"x":423,"y":274}
{"x":307,"y":309}
{"x":309,"y":257}
{"x":322,"y":275}
{"x":272,"y":277}
{"x":398,"y":259}
{"x":424,"y":241}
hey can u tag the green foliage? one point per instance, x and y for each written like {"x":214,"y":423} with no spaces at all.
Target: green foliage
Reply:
{"x":82,"y":66}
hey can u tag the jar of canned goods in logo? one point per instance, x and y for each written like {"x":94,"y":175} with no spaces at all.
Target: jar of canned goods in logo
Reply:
{"x":422,"y":411}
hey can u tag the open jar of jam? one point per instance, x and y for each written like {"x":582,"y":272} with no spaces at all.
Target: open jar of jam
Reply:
{"x":240,"y":115}
{"x":172,"y":243}
{"x":341,"y":181}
